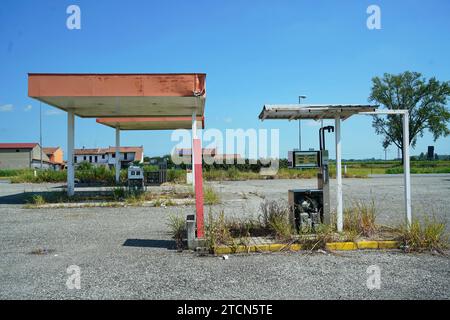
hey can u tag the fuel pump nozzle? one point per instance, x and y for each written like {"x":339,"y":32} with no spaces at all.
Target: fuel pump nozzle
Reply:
{"x":322,"y":135}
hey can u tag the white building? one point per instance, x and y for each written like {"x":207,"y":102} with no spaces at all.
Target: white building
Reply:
{"x":107,"y":156}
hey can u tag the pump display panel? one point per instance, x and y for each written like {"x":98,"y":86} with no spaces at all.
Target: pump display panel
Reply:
{"x":305,"y":159}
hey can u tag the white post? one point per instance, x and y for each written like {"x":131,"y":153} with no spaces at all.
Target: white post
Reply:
{"x":339,"y":211}
{"x":70,"y":146}
{"x":406,"y":169}
{"x":117,"y":164}
{"x":194,"y":136}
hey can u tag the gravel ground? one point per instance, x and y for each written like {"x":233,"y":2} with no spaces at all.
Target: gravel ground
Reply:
{"x":127,"y":253}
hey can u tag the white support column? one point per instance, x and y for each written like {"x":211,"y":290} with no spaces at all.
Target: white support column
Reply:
{"x":117,"y":164}
{"x":406,"y":169}
{"x":70,"y":146}
{"x":339,"y":204}
{"x":194,"y":136}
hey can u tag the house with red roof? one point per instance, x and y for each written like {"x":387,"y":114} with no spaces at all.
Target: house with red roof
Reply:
{"x":23,"y":156}
{"x":107,"y":156}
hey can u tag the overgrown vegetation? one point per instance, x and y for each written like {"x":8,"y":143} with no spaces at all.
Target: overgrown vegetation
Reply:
{"x":274,"y":218}
{"x":116,"y":196}
{"x":38,"y":200}
{"x":101,"y":175}
{"x":359,"y":218}
{"x":428,"y":235}
{"x":177,"y":229}
{"x":87,"y":173}
{"x":217,"y":231}
{"x":210,"y":195}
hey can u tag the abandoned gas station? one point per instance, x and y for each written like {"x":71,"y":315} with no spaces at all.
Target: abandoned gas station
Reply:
{"x":177,"y":101}
{"x":129,"y":102}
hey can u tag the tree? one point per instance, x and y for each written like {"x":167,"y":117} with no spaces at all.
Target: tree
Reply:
{"x":425,"y":100}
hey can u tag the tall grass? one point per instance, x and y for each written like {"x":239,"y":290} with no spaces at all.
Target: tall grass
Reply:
{"x":177,"y":229}
{"x":92,"y":175}
{"x":176,"y":175}
{"x":430,"y":234}
{"x":274,"y":217}
{"x":210,"y":195}
{"x":217,"y":232}
{"x":360,"y":218}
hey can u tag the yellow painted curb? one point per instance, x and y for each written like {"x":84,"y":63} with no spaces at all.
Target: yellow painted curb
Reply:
{"x":367,"y":244}
{"x":338,"y":246}
{"x":222,"y":250}
{"x":388,"y":244}
{"x":296,"y":247}
{"x":262,"y":247}
{"x":341,"y":246}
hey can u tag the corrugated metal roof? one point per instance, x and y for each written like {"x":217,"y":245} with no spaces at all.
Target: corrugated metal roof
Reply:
{"x":313,"y":111}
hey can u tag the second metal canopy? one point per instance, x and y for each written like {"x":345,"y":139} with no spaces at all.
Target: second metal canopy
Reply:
{"x":313,"y":111}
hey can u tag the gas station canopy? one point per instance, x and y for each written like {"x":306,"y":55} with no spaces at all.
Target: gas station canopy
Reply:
{"x":155,"y":123}
{"x":121,"y":95}
{"x":313,"y":111}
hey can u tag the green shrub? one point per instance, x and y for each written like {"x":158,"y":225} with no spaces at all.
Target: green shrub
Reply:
{"x":42,"y":176}
{"x":150,"y":167}
{"x":38,"y":200}
{"x":12,"y":172}
{"x":176,"y":176}
{"x":85,"y":166}
{"x":119,"y":193}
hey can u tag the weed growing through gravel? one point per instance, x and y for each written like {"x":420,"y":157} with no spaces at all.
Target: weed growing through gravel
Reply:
{"x":428,"y":235}
{"x":177,"y":227}
{"x":274,"y":217}
{"x":360,"y":218}
{"x":38,"y":200}
{"x":210,"y":196}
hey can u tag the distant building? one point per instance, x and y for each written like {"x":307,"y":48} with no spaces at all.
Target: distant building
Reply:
{"x":186,"y":155}
{"x":107,"y":156}
{"x":55,"y":155}
{"x":430,"y":153}
{"x":23,"y":156}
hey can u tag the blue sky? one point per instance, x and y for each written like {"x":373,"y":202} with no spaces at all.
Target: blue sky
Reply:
{"x":254,"y":53}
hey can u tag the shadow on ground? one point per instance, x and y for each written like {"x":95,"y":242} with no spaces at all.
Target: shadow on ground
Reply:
{"x":151,"y":243}
{"x":54,"y":196}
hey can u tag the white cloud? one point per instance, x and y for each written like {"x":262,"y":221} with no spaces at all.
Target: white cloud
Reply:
{"x":228,"y":120}
{"x":6,"y":108}
{"x":53,"y":112}
{"x":28,"y":107}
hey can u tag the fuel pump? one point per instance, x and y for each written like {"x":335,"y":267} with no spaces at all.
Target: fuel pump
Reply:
{"x":311,"y":207}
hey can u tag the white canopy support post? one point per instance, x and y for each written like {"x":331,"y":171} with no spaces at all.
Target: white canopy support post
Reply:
{"x":339,"y":205}
{"x":70,"y":146}
{"x":117,"y":163}
{"x":406,"y":162}
{"x":194,"y":136}
{"x":406,"y":169}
